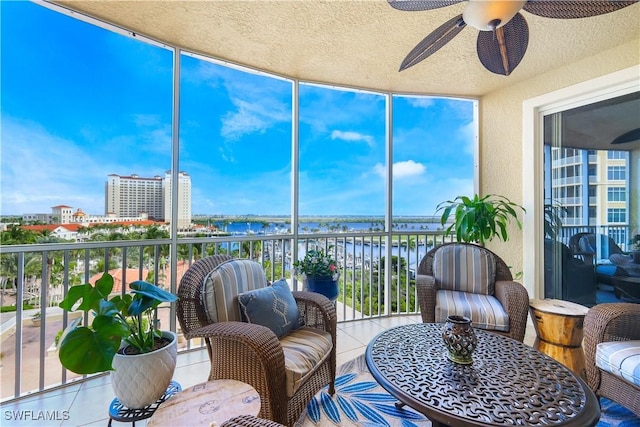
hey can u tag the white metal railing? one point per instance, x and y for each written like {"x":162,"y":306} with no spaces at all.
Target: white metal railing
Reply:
{"x":35,"y":278}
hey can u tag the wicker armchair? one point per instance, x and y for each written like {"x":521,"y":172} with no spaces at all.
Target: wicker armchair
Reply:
{"x":251,"y":353}
{"x":606,"y":323}
{"x":512,"y":296}
{"x":249,"y":421}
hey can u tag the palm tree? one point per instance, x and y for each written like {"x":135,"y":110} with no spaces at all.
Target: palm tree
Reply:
{"x":16,"y":235}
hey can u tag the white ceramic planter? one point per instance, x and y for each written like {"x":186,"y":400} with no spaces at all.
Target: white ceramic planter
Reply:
{"x":141,"y":379}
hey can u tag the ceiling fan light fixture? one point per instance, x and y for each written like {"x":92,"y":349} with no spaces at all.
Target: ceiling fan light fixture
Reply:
{"x":487,"y":15}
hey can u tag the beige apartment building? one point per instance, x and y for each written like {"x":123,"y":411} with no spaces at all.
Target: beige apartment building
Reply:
{"x":130,"y":196}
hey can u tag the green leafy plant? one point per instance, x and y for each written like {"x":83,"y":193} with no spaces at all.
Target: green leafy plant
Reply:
{"x":553,"y":214}
{"x":479,"y":219}
{"x":317,"y":263}
{"x":129,"y":318}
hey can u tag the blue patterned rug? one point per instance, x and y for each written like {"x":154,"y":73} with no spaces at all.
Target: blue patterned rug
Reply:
{"x":360,"y":401}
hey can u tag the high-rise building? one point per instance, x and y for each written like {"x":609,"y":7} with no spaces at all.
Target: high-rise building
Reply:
{"x":131,"y":196}
{"x":184,"y":199}
{"x":593,"y":189}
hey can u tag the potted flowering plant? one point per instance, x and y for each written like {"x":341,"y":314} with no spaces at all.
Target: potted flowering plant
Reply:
{"x":319,"y":273}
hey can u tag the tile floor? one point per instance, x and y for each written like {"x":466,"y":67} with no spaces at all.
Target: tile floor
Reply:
{"x":87,"y":404}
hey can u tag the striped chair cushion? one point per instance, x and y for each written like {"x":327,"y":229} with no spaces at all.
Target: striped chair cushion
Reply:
{"x":225,"y":282}
{"x":304,"y":349}
{"x":465,"y":268}
{"x":620,"y":358}
{"x":485,"y":311}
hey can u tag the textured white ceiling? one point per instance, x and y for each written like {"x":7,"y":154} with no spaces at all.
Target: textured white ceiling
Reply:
{"x":357,"y":43}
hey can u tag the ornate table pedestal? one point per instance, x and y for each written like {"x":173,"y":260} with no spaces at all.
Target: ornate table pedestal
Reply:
{"x":508,"y":383}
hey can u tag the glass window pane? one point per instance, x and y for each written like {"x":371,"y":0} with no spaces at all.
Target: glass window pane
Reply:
{"x":579,"y":140}
{"x":80,"y":103}
{"x":235,"y":136}
{"x":342,"y":154}
{"x":433,"y":153}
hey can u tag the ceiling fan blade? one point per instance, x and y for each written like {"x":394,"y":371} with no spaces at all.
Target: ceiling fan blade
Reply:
{"x":569,"y":9}
{"x":632,"y":135}
{"x":416,"y":5}
{"x":434,"y":41}
{"x":501,"y":51}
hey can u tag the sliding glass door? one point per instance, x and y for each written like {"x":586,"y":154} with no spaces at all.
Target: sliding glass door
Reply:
{"x":591,"y":185}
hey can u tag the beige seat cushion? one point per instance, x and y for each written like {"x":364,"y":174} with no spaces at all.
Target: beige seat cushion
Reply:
{"x":485,"y":311}
{"x":304,"y":350}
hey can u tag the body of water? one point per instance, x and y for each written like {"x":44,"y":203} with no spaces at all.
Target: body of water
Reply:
{"x":241,"y":228}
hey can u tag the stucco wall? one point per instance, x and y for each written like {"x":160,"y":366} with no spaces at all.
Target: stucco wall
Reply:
{"x":501,"y":131}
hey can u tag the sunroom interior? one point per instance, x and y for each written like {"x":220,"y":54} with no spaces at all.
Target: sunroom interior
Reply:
{"x":568,"y":63}
{"x":359,"y":45}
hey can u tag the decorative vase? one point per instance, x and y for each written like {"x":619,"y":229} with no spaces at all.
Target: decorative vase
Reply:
{"x":323,"y":285}
{"x":139,"y":380}
{"x":460,"y":339}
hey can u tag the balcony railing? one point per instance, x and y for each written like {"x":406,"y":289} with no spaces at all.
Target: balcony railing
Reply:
{"x":378,"y":279}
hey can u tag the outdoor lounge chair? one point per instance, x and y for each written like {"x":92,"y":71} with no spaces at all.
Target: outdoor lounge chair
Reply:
{"x":566,"y":276}
{"x":287,"y":371}
{"x":612,"y":352}
{"x":597,"y":249}
{"x":470,"y":280}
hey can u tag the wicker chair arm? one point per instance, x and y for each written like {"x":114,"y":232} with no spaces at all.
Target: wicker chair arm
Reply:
{"x":252,"y":354}
{"x":426,"y":287}
{"x":316,"y":310}
{"x":515,"y":300}
{"x":250,"y":421}
{"x":257,"y":337}
{"x":604,"y":323}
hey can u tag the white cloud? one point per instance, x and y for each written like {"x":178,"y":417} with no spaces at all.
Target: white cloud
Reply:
{"x":245,"y":120}
{"x":402,"y":170}
{"x":352,"y":136}
{"x":421,"y":101}
{"x":41,"y":170}
{"x":259,"y":105}
{"x":467,"y":134}
{"x":407,"y":169}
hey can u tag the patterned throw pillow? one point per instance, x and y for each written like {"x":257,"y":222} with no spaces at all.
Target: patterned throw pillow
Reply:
{"x":273,"y":307}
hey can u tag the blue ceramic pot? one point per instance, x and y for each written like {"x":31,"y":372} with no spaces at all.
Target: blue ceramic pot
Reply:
{"x":323,"y":285}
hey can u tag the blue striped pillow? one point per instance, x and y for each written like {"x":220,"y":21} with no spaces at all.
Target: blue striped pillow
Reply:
{"x":222,"y":286}
{"x":465,"y":268}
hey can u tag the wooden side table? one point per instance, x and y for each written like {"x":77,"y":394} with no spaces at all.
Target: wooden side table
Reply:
{"x":207,"y":404}
{"x":559,"y":331}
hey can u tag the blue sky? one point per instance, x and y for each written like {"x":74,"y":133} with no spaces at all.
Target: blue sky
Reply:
{"x":80,"y":102}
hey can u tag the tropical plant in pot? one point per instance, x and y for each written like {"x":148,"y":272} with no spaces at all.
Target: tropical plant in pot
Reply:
{"x":479,"y":219}
{"x":120,"y":337}
{"x":319,"y":272}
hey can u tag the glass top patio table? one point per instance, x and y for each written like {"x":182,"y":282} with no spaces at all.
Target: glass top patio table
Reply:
{"x":508,"y":383}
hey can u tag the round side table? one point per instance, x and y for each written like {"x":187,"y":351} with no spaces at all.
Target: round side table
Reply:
{"x":559,"y":331}
{"x":207,"y":404}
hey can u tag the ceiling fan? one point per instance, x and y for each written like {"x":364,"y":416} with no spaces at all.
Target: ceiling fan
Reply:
{"x":504,"y":33}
